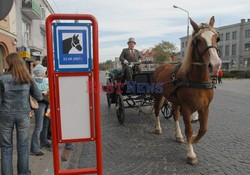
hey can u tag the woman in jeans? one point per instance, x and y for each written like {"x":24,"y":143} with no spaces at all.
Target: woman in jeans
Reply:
{"x":16,"y":86}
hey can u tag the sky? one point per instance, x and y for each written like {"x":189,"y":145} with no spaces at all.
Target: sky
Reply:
{"x":150,"y":21}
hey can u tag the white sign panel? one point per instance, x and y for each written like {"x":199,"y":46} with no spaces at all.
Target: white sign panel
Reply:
{"x":74,"y":107}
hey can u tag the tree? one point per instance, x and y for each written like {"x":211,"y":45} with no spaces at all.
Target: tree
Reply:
{"x":163,"y":51}
{"x":107,"y":65}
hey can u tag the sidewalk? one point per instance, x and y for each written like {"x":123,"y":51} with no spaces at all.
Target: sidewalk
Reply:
{"x":39,"y":165}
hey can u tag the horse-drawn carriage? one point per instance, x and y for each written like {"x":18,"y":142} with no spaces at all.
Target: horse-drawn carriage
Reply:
{"x":187,"y":86}
{"x":137,"y":94}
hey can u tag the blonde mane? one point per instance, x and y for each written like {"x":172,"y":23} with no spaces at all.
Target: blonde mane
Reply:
{"x":188,"y":57}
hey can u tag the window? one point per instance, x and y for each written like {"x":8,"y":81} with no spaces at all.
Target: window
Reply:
{"x":43,"y":15}
{"x":182,"y":44}
{"x":44,"y":41}
{"x":220,"y":51}
{"x":227,"y":36}
{"x":182,"y":53}
{"x":234,"y":49}
{"x":234,"y":36}
{"x":247,"y":35}
{"x":227,"y":50}
{"x":221,"y":37}
{"x":25,"y":33}
{"x":247,"y":47}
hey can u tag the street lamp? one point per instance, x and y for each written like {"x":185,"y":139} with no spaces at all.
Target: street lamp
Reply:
{"x":187,"y":19}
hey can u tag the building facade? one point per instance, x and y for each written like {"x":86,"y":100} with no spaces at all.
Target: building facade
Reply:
{"x":31,"y":40}
{"x":234,"y":45}
{"x":23,"y":30}
{"x":7,"y":36}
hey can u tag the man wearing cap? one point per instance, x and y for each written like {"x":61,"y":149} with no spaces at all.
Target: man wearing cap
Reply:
{"x":129,"y":55}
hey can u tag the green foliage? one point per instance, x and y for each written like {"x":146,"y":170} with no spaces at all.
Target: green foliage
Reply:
{"x":237,"y":74}
{"x":106,"y":65}
{"x":163,"y":50}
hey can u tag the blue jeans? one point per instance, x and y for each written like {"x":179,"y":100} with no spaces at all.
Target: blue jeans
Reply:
{"x":39,"y":117}
{"x":7,"y":124}
{"x":44,"y":133}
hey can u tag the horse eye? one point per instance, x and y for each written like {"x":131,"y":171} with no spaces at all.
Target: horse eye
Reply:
{"x":218,"y":39}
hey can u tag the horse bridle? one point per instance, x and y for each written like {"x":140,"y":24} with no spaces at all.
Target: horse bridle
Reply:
{"x":202,"y":54}
{"x":195,"y":47}
{"x":74,"y":44}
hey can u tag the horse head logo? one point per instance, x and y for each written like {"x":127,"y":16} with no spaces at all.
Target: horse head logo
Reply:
{"x":75,"y":43}
{"x":69,"y":43}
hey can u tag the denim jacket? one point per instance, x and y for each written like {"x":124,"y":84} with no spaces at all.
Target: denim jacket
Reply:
{"x":14,"y":98}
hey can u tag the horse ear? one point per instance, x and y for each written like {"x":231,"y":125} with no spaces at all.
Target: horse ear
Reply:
{"x":77,"y":35}
{"x":212,"y":21}
{"x":74,"y":35}
{"x":194,"y":25}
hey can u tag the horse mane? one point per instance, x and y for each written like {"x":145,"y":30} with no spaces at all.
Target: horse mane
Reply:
{"x":186,"y":64}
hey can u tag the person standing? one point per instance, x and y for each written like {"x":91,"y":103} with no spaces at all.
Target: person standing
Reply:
{"x":16,"y":87}
{"x":129,"y":55}
{"x":41,"y":81}
{"x":220,"y":74}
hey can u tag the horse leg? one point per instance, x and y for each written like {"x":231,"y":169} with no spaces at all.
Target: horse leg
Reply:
{"x":157,"y":105}
{"x":195,"y":116}
{"x":191,"y":157}
{"x":176,"y":114}
{"x":203,"y":118}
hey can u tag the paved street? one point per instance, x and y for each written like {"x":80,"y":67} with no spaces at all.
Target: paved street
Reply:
{"x":134,"y":149}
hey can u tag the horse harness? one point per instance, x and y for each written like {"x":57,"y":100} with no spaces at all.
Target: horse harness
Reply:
{"x":179,"y":82}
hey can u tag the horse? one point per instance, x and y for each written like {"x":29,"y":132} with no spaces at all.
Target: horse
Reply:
{"x":188,"y":86}
{"x":69,"y":43}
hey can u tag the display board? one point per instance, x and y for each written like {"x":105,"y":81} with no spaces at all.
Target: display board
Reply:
{"x":75,"y":106}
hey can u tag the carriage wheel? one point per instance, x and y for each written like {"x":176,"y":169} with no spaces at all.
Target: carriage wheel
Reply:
{"x":120,"y":110}
{"x":166,"y":110}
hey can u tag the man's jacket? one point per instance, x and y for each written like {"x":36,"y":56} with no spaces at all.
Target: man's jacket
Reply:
{"x":126,"y":55}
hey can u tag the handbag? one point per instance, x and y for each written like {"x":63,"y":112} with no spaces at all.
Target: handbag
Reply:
{"x":33,"y":103}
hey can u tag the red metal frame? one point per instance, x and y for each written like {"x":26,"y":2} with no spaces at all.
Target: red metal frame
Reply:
{"x":51,"y":74}
{"x":58,"y":111}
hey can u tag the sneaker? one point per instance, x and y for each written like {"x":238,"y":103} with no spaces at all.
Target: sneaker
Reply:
{"x":38,"y":153}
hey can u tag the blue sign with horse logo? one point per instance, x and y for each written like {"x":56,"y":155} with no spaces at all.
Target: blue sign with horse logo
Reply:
{"x":72,"y":46}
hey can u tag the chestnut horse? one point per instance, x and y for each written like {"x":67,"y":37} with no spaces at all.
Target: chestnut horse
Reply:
{"x":188,"y":85}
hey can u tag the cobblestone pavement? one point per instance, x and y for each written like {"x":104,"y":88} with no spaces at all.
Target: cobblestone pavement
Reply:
{"x":134,"y":149}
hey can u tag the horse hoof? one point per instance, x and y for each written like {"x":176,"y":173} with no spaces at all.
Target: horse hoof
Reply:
{"x":180,"y":139}
{"x":192,"y":160}
{"x":158,"y":131}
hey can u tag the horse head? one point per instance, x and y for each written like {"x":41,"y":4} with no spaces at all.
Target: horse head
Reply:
{"x":204,"y":45}
{"x":75,"y":42}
